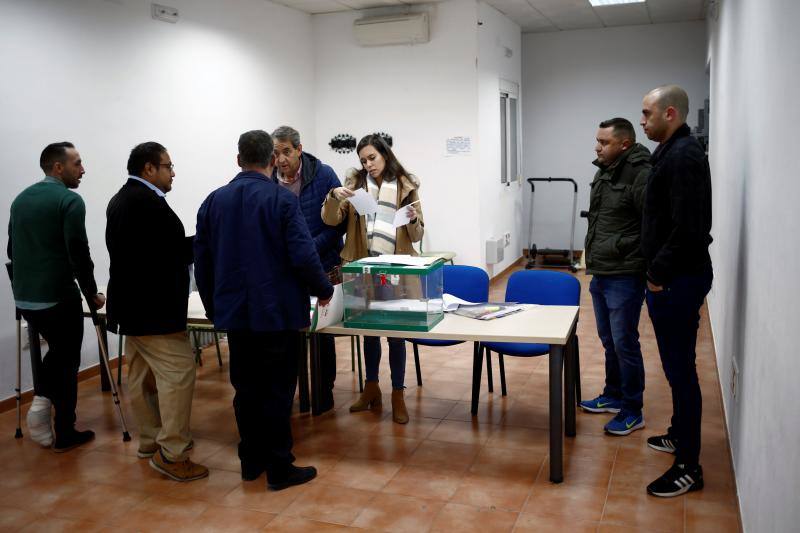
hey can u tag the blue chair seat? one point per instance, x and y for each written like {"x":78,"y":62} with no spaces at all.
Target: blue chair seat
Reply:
{"x":519,"y":349}
{"x":434,"y":342}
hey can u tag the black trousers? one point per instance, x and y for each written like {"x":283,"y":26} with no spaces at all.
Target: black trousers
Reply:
{"x":57,"y":376}
{"x":675,"y":313}
{"x":327,"y":358}
{"x":263,"y":371}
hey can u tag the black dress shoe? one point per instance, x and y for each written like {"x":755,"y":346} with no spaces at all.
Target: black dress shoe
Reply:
{"x":72,"y":439}
{"x":251,"y":472}
{"x":297,"y":475}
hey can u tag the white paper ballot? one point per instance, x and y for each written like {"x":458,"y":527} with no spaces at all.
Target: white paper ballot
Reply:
{"x":451,"y":303}
{"x":406,"y":260}
{"x":401,"y":217}
{"x":363,"y":202}
{"x":330,"y":314}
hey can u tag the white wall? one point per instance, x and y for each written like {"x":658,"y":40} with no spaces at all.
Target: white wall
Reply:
{"x":755,"y":53}
{"x":574,"y":80}
{"x":501,"y":208}
{"x":421,"y":95}
{"x":105,"y":76}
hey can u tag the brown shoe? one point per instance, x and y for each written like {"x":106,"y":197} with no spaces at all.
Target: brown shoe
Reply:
{"x":399,"y":411}
{"x":147,"y":453}
{"x":184,"y":470}
{"x":371,"y":398}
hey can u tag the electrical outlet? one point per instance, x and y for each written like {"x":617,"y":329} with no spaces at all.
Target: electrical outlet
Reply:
{"x":734,"y":378}
{"x":164,"y":13}
{"x":507,"y":239}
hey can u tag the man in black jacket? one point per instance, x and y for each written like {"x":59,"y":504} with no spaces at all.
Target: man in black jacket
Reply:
{"x":614,"y":259}
{"x":148,"y":296}
{"x":676,"y":225}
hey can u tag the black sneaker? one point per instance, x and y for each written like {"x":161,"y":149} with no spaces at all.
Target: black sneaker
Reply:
{"x":676,"y":481}
{"x":662,"y":443}
{"x":66,"y":442}
{"x":297,"y":476}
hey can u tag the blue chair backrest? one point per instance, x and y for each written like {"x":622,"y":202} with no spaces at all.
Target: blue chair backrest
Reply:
{"x":467,"y":282}
{"x":543,"y":287}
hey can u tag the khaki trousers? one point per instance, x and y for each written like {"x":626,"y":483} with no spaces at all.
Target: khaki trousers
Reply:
{"x":161,"y":375}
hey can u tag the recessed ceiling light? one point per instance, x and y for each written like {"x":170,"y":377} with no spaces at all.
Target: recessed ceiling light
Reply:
{"x":597,"y":3}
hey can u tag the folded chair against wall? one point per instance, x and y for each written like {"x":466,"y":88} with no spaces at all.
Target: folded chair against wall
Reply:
{"x":537,"y":287}
{"x":468,"y":283}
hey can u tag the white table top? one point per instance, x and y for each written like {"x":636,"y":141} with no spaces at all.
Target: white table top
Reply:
{"x":542,"y":324}
{"x":196,"y":313}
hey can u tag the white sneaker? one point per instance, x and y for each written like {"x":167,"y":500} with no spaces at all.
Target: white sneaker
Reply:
{"x":39,"y":421}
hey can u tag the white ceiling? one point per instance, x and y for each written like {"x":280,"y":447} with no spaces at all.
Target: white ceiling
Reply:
{"x":536,"y":16}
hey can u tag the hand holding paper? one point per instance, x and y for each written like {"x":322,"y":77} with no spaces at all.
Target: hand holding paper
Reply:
{"x":404,"y":215}
{"x":363,"y":202}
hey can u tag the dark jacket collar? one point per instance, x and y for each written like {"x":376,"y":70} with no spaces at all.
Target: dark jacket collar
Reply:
{"x":663,"y":148}
{"x":637,"y":152}
{"x":251,"y":174}
{"x":308,"y":166}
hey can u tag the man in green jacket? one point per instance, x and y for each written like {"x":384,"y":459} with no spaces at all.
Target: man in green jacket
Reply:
{"x":614,"y":259}
{"x":49,"y":250}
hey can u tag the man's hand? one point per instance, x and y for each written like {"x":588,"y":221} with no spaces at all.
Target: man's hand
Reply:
{"x":324,"y":302}
{"x":99,"y":300}
{"x":652,"y":287}
{"x":342,"y":193}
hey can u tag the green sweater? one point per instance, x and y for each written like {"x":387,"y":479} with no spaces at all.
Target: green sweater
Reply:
{"x":48,"y":246}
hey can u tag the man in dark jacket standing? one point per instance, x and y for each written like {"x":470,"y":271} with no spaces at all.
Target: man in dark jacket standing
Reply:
{"x":614,"y":258}
{"x":148,"y":295}
{"x":49,"y":251}
{"x":311,"y":180}
{"x":676,"y":227}
{"x":255,"y":262}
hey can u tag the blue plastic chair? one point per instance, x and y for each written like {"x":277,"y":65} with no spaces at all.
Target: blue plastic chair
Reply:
{"x":466,"y":282}
{"x":541,"y":287}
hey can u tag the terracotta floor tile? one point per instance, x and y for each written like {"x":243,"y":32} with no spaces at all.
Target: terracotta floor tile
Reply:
{"x":50,"y":524}
{"x":492,"y":412}
{"x":225,"y":458}
{"x":254,"y":496}
{"x":493,"y":492}
{"x":583,"y":472}
{"x":361,"y":474}
{"x":98,"y":503}
{"x":417,"y":427}
{"x":425,"y":482}
{"x":211,"y":489}
{"x":330,"y":503}
{"x":216,"y":518}
{"x":464,"y":518}
{"x":429,"y":408}
{"x":704,"y":516}
{"x":566,"y":501}
{"x":444,"y":455}
{"x":553,"y":524}
{"x":507,"y":463}
{"x":461,"y":432}
{"x":532,"y":440}
{"x":42,"y":496}
{"x":392,"y":512}
{"x":638,"y":509}
{"x":12,"y":519}
{"x":160,"y":513}
{"x":295,"y":524}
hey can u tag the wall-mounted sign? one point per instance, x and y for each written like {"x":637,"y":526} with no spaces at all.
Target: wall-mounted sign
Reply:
{"x":458,"y":145}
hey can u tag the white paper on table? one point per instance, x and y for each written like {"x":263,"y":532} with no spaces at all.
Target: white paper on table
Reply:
{"x":407,"y":260}
{"x":451,"y":303}
{"x":363,"y":202}
{"x":401,"y":217}
{"x":399,"y":305}
{"x":328,"y":315}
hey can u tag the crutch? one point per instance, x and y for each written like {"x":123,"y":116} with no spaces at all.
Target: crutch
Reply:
{"x":18,"y":389}
{"x":104,"y":353}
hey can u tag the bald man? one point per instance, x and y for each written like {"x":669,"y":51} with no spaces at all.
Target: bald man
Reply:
{"x":676,"y":225}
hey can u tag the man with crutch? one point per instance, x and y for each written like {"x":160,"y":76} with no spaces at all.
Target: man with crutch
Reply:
{"x":49,"y":250}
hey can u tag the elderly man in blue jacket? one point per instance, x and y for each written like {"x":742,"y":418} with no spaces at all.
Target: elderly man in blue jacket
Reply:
{"x":255,"y":264}
{"x":311,"y":180}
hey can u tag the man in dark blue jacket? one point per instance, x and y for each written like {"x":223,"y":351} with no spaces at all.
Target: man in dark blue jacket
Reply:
{"x":311,"y":180}
{"x":676,"y":226}
{"x":255,"y":264}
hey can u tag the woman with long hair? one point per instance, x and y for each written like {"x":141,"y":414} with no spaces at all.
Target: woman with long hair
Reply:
{"x":382,"y":176}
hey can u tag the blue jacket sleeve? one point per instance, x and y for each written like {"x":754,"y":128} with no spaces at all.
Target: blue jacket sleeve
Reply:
{"x":303,"y":255}
{"x":329,"y":236}
{"x":203,"y":260}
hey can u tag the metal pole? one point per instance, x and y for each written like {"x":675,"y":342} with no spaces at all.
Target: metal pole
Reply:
{"x":572,"y":228}
{"x":104,"y":363}
{"x":18,"y":390}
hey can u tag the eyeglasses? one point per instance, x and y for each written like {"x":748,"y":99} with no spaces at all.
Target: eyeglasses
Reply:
{"x":170,"y":166}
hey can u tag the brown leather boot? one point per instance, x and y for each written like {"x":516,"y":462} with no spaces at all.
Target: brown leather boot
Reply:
{"x":399,"y":411}
{"x":370,"y":399}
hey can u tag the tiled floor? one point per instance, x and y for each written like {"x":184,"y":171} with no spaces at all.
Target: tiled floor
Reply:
{"x":444,"y":471}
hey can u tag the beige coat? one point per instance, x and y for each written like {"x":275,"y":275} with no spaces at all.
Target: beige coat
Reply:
{"x":355,"y":246}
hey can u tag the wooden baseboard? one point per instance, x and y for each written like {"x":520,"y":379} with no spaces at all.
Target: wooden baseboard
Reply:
{"x":27,"y":396}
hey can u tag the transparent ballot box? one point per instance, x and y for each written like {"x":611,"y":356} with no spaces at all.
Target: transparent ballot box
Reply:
{"x":394,"y":297}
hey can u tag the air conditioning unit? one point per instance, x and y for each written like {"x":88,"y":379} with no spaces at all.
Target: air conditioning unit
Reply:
{"x":396,"y":29}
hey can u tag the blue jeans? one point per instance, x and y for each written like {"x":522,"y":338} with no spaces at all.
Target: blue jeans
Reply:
{"x":675,"y":313}
{"x":397,"y":360}
{"x":617,"y":304}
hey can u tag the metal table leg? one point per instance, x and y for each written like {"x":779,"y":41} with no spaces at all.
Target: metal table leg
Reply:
{"x":477,"y":368}
{"x":556,"y":439}
{"x":569,"y":386}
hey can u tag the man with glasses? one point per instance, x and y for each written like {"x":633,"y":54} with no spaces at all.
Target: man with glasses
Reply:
{"x":148,"y":297}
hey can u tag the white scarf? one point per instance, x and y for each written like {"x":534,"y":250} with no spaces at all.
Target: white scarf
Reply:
{"x":381,"y":233}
